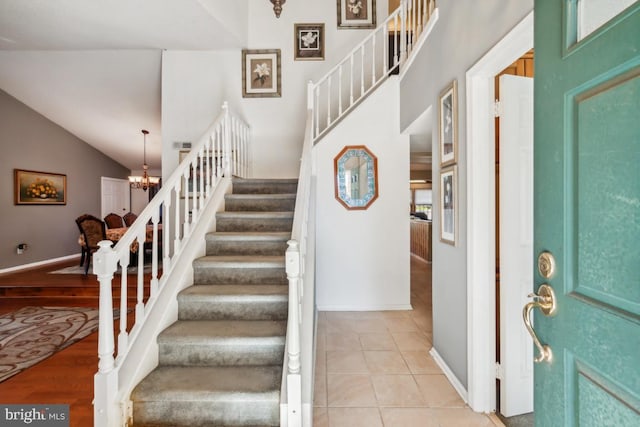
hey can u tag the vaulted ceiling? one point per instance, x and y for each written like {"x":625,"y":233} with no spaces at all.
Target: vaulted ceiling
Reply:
{"x":94,"y":67}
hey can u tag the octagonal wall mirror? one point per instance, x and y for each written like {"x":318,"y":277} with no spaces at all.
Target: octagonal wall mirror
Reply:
{"x":356,"y":177}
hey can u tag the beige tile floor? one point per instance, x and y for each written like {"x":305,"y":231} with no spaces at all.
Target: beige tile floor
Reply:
{"x":373,"y":369}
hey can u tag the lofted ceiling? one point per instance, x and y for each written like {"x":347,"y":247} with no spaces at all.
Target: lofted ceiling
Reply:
{"x":94,"y":68}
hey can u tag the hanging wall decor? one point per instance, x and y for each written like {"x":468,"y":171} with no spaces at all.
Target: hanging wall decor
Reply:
{"x":309,"y":42}
{"x":356,"y":13}
{"x":261,"y":73}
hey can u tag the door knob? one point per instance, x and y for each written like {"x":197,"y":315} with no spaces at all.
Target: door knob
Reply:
{"x":545,"y":300}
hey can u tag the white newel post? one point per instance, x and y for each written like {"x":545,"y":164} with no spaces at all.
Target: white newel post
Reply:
{"x":105,"y":407}
{"x":294,"y":384}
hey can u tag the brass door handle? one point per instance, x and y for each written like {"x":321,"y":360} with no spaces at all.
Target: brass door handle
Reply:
{"x":545,"y":300}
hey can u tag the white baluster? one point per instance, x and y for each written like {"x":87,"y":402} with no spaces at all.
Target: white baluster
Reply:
{"x":351,"y":82}
{"x":166,"y":233}
{"x":396,"y":51}
{"x":329,"y":101}
{"x":340,"y":91}
{"x":176,"y":236}
{"x":361,"y":71}
{"x":140,"y":284}
{"x":317,"y":97}
{"x":385,"y":57}
{"x":154,"y":254}
{"x":404,"y":14}
{"x":373,"y":59}
{"x":189,"y":176}
{"x":420,"y":17}
{"x":123,"y":336}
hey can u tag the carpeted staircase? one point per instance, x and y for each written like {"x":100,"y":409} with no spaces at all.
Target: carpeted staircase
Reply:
{"x":220,"y":364}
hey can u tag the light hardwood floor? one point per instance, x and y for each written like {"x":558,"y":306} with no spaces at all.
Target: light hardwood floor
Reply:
{"x":67,"y":376}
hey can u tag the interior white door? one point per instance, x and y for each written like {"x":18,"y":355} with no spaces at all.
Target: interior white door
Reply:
{"x":115,"y":196}
{"x":516,"y":242}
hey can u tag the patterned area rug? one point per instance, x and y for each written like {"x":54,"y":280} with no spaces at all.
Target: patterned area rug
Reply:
{"x":31,"y":334}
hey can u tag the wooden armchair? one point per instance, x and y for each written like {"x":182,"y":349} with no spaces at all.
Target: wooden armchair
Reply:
{"x":114,"y":221}
{"x":93,"y":230}
{"x":129,"y":218}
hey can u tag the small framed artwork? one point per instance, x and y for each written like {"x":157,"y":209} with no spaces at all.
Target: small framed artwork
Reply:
{"x":449,"y":205}
{"x":448,"y":118}
{"x":261,"y":73}
{"x":356,"y":13}
{"x":309,"y":42}
{"x":39,"y":188}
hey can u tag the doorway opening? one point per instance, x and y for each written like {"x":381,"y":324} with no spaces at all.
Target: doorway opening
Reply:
{"x":514,"y":238}
{"x":481,"y":226}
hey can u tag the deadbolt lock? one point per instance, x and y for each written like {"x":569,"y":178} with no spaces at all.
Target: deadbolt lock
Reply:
{"x":546,"y":265}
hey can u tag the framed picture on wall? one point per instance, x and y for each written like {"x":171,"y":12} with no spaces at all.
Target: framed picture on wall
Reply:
{"x":309,"y":42}
{"x":261,"y":73}
{"x":356,"y":13}
{"x":449,"y":205}
{"x":39,"y":188}
{"x":448,"y":119}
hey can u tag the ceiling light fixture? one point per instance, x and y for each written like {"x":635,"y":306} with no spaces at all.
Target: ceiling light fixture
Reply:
{"x":277,"y":6}
{"x":145,"y":181}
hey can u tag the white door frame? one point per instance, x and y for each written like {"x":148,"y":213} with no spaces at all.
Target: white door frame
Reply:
{"x":481,"y":224}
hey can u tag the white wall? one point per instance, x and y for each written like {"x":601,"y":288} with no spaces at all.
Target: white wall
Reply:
{"x":465,"y":31}
{"x":362,"y":256}
{"x":196,"y":83}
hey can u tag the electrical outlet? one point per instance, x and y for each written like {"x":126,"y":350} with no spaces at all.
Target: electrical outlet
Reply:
{"x":21,"y":248}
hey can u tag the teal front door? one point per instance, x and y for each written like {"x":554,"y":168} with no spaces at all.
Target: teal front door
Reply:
{"x":587,"y":212}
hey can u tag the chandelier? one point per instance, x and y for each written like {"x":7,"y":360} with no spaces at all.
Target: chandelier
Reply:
{"x":145,"y":181}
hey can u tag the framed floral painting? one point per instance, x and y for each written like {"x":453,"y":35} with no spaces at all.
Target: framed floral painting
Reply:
{"x":448,"y":119}
{"x":261,"y":73}
{"x":449,"y":205}
{"x":39,"y":188}
{"x":309,"y":42}
{"x":356,"y":13}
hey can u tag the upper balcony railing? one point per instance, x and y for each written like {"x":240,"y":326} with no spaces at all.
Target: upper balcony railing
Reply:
{"x":165,"y":226}
{"x":379,"y":55}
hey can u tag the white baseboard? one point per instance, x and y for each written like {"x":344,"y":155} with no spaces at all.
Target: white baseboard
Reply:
{"x":38,"y":264}
{"x":457,"y":385}
{"x":391,"y":307}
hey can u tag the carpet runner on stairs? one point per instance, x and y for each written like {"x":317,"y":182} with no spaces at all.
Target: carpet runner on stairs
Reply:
{"x":220,"y":364}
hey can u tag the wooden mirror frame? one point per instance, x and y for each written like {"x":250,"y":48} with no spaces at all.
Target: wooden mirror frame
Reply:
{"x":341,"y":193}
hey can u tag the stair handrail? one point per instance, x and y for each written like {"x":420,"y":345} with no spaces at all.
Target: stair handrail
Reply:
{"x":300,"y":268}
{"x":222,"y":151}
{"x":411,"y":18}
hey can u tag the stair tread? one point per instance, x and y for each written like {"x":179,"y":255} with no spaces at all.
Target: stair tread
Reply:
{"x":204,"y":291}
{"x":265,"y":180}
{"x":231,"y":383}
{"x":240,"y":330}
{"x":240,"y":260}
{"x":249,"y":235}
{"x":256,"y":214}
{"x":252,"y":196}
